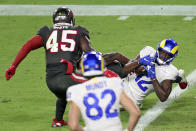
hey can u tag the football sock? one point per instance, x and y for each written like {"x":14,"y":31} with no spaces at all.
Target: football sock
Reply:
{"x":60,"y":108}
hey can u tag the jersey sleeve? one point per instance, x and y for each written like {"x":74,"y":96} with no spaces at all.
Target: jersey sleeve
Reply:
{"x":72,"y":94}
{"x":43,"y":32}
{"x":117,"y":81}
{"x":110,"y":74}
{"x":120,"y":88}
{"x":82,"y":31}
{"x":173,"y":72}
{"x":147,"y":51}
{"x":169,"y":74}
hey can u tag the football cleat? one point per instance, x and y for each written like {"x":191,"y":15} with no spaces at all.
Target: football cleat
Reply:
{"x":60,"y":123}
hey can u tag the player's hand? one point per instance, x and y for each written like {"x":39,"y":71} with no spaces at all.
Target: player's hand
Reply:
{"x":183,"y":83}
{"x":110,"y":57}
{"x":10,"y":72}
{"x":151,"y":72}
{"x":146,"y":60}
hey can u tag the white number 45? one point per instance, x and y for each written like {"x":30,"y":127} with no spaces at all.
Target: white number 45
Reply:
{"x":66,"y":44}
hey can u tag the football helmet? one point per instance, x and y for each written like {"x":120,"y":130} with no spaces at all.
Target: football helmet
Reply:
{"x":63,"y":15}
{"x":92,"y":64}
{"x":168,"y":46}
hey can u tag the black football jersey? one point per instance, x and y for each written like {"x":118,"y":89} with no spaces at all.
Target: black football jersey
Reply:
{"x":62,"y":42}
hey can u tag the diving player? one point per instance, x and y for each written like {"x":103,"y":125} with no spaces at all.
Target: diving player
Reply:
{"x":156,"y":71}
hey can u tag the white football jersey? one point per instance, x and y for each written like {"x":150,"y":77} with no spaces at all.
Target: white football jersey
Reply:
{"x":137,"y":87}
{"x":98,"y":100}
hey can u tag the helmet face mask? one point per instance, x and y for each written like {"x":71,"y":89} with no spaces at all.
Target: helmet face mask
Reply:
{"x":167,"y":50}
{"x":92,"y":64}
{"x":63,"y":15}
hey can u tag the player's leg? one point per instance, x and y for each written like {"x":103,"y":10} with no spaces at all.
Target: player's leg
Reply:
{"x":61,"y":104}
{"x":62,"y":83}
{"x":56,"y":84}
{"x":60,"y":109}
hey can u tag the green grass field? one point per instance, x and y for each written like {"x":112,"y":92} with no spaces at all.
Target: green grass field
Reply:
{"x":27,"y":104}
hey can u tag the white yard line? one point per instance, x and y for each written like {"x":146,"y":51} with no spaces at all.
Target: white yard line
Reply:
{"x":157,"y":109}
{"x":101,"y":10}
{"x":188,"y":18}
{"x":123,"y":17}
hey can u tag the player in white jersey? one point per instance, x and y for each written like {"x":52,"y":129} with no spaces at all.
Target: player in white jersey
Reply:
{"x":150,"y":71}
{"x":98,"y":99}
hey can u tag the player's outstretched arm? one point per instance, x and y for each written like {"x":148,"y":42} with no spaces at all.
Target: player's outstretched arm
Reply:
{"x":74,"y":115}
{"x":131,"y":107}
{"x":34,"y":43}
{"x":111,"y":57}
{"x":132,"y":65}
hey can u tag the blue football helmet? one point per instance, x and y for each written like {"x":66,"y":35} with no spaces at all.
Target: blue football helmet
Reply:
{"x":92,"y":64}
{"x":168,"y":46}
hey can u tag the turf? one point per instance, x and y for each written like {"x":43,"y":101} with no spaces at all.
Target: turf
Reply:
{"x":180,"y":116}
{"x":27,"y":104}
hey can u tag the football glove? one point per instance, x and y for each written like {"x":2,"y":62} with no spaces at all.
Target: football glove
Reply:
{"x":146,"y":60}
{"x":183,"y":83}
{"x":10,"y":72}
{"x":151,"y":71}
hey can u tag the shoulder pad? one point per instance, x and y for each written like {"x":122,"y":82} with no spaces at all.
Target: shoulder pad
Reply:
{"x":42,"y":30}
{"x":83,"y":31}
{"x":147,"y":50}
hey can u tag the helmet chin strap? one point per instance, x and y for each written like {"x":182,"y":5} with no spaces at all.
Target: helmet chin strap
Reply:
{"x":160,"y":62}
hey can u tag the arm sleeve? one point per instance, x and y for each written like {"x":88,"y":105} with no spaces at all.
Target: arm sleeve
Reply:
{"x":168,"y":73}
{"x":34,"y":43}
{"x":109,"y":74}
{"x":71,"y":94}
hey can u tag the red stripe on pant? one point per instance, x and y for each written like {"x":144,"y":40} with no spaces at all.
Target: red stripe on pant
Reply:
{"x":77,"y":79}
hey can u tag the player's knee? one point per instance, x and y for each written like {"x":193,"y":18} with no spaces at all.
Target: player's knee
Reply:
{"x":138,"y":113}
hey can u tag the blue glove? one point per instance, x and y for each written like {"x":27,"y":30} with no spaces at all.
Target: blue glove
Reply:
{"x":146,"y":60}
{"x":151,"y":72}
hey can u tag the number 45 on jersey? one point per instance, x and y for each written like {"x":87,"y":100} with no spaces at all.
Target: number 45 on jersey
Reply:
{"x":66,"y":44}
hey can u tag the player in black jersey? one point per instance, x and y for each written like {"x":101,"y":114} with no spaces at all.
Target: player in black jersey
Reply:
{"x":64,"y":44}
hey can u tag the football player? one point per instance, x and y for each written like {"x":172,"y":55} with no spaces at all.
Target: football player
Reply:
{"x":64,"y":44}
{"x":150,"y":71}
{"x":98,"y":99}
